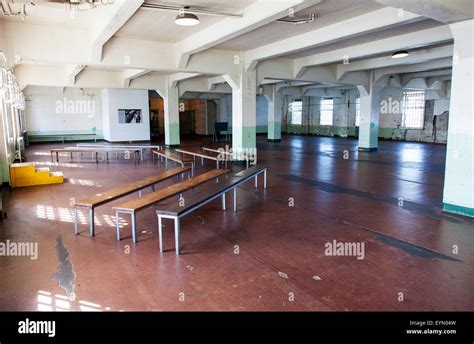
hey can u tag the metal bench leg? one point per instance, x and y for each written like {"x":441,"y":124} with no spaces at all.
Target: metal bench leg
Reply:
{"x":256,"y":181}
{"x":202,"y":161}
{"x":139,"y":193}
{"x":265,"y":179}
{"x":192,"y":170}
{"x":217,"y":164}
{"x":160,"y":233}
{"x":134,"y":228}
{"x":223,"y":201}
{"x":75,"y":221}
{"x":166,"y":164}
{"x":176,"y":234}
{"x":235,"y":199}
{"x":91,"y":219}
{"x":118,"y":225}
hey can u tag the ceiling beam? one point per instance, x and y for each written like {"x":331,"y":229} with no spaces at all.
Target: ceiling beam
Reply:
{"x":436,"y":35}
{"x":129,"y":74}
{"x":445,"y":11}
{"x":356,"y":26}
{"x":417,"y":56}
{"x":107,"y":26}
{"x":417,"y":67}
{"x":72,"y":72}
{"x":254,"y":16}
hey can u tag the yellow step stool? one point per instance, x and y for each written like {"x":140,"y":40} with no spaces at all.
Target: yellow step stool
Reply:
{"x":26,"y":174}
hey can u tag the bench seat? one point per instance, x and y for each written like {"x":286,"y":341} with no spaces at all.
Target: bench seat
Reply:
{"x":176,"y":211}
{"x":135,"y":205}
{"x":122,"y":191}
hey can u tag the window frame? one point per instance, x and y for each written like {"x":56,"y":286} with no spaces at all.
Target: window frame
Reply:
{"x":321,"y":110}
{"x":413,"y":108}
{"x":300,"y":114}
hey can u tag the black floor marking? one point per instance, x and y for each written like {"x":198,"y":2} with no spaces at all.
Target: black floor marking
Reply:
{"x":65,"y":274}
{"x":407,"y":205}
{"x":409,"y":248}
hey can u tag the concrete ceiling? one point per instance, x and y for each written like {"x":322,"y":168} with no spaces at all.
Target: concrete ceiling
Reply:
{"x":156,"y":25}
{"x":327,"y":11}
{"x":379,"y":34}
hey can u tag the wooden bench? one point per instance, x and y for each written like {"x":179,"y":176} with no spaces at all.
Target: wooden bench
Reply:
{"x":168,"y":155}
{"x":143,"y":148}
{"x":110,"y":195}
{"x":177,"y":211}
{"x":195,"y":153}
{"x":133,"y":206}
{"x":96,"y":151}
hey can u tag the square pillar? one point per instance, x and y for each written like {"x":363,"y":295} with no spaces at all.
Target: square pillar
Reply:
{"x":170,"y":95}
{"x":458,"y":195}
{"x":369,"y":115}
{"x":244,"y":111}
{"x":275,"y":109}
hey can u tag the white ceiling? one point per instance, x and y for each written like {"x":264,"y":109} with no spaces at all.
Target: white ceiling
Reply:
{"x":381,"y":34}
{"x":156,"y":25}
{"x":328,"y":12}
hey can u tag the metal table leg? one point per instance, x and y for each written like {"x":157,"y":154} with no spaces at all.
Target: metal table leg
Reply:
{"x":160,"y":233}
{"x":223,"y":201}
{"x":91,"y":219}
{"x":176,"y":234}
{"x":235,"y":199}
{"x":134,"y":228}
{"x":264,"y":179}
{"x":75,"y":221}
{"x":118,"y":224}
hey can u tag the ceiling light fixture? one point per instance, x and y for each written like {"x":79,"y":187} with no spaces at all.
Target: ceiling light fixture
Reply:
{"x":400,"y":54}
{"x":185,"y":18}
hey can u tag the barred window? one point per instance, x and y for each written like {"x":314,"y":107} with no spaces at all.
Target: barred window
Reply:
{"x":296,"y":110}
{"x":357,"y":122}
{"x":413,"y":109}
{"x":327,"y":107}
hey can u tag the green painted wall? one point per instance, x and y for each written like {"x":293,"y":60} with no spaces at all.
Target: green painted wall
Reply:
{"x":173,"y":137}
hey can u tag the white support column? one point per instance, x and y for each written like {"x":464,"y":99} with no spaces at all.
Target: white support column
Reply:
{"x":170,"y":96}
{"x":244,"y":110}
{"x":458,"y":196}
{"x":275,"y":109}
{"x":369,"y":115}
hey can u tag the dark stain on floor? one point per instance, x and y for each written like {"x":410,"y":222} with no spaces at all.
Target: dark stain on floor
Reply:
{"x":407,"y":205}
{"x":409,"y":248}
{"x":65,"y":274}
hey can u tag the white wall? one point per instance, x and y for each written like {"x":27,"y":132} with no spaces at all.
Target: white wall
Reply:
{"x":54,"y":110}
{"x":115,"y":99}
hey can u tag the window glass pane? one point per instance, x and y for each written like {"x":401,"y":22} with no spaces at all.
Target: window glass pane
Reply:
{"x":357,"y":122}
{"x":413,"y":109}
{"x":327,"y":106}
{"x":296,"y":111}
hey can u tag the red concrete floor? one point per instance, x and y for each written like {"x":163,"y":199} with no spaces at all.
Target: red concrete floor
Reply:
{"x":281,"y":262}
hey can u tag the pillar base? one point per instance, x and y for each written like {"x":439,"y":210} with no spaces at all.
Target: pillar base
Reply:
{"x":274,"y":140}
{"x":457,"y":209}
{"x":172,"y":146}
{"x":362,"y":149}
